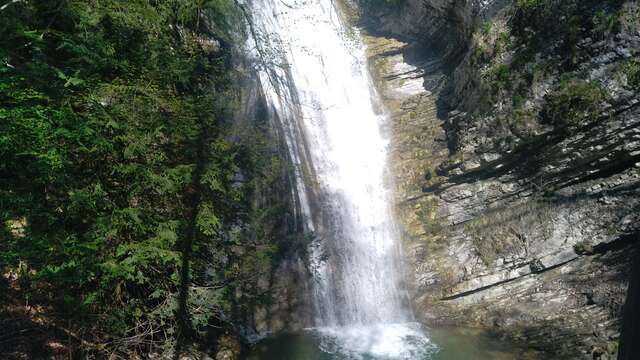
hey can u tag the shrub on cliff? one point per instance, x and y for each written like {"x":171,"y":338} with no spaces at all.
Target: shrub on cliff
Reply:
{"x":631,"y":72}
{"x":539,"y":23}
{"x":574,"y":103}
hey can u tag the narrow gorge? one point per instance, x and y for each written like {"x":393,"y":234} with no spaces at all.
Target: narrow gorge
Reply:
{"x":514,"y":155}
{"x":320,"y":179}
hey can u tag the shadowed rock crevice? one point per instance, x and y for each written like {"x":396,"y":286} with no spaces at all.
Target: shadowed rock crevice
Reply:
{"x":629,"y":346}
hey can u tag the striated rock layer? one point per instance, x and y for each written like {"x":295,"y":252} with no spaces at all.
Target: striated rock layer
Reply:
{"x":516,"y":159}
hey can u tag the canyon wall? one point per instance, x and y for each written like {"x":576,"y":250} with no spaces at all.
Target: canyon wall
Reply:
{"x":516,"y":159}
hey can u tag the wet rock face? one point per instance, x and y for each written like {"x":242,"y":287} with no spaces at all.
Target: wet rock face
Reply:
{"x":521,"y":208}
{"x":290,"y":308}
{"x":278,"y":299}
{"x":228,"y":348}
{"x":444,"y":24}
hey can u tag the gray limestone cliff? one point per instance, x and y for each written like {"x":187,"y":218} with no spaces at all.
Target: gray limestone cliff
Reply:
{"x":516,"y":159}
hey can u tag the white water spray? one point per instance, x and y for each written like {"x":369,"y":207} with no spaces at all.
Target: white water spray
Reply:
{"x":317,"y":84}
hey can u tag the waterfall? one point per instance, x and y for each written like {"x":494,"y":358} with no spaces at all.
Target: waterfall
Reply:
{"x":314,"y":76}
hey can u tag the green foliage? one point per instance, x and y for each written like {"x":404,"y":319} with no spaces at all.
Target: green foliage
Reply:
{"x":501,"y":74}
{"x":486,"y":27}
{"x":517,"y":100}
{"x":604,"y":22}
{"x":207,"y":221}
{"x":112,"y":116}
{"x":630,"y":70}
{"x":480,"y":55}
{"x":500,"y":77}
{"x":574,"y":103}
{"x":522,"y":122}
{"x":537,"y":23}
{"x":503,"y":41}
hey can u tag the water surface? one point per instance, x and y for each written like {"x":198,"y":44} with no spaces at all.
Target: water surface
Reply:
{"x":445,"y":344}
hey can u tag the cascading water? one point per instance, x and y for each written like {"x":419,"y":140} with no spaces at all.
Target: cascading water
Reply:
{"x":315,"y":79}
